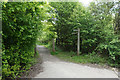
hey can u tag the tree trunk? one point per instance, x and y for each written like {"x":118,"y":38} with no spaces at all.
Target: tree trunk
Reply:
{"x":53,"y":45}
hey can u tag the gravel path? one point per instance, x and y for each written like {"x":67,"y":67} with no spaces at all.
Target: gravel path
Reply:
{"x":55,"y":68}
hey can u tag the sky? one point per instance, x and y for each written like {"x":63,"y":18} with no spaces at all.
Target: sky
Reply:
{"x":85,"y":2}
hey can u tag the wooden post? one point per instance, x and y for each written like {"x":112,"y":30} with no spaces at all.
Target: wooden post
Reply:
{"x":53,"y":45}
{"x":78,"y":45}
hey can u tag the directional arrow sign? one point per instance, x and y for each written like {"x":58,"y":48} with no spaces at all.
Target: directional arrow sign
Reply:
{"x":74,"y":33}
{"x":75,"y":30}
{"x":78,"y":41}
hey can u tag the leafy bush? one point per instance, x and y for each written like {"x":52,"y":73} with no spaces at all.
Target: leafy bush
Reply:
{"x":97,"y":32}
{"x":54,"y":53}
{"x":20,"y":24}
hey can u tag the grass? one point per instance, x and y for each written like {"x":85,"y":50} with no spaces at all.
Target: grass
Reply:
{"x":84,"y":58}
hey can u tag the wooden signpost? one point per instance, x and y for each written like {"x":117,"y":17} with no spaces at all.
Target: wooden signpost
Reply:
{"x":78,"y":41}
{"x":78,"y":46}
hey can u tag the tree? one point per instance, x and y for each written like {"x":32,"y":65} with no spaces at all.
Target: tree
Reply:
{"x":108,"y":41}
{"x":63,"y":29}
{"x":117,"y":18}
{"x":20,"y":25}
{"x":96,"y":28}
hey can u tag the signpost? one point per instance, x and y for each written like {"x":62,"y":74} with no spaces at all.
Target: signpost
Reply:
{"x":78,"y":41}
{"x":78,"y":46}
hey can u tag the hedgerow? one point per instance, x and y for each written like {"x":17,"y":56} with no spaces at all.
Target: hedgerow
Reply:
{"x":20,"y":25}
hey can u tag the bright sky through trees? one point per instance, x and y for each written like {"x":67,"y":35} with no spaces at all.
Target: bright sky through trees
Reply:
{"x":85,"y":2}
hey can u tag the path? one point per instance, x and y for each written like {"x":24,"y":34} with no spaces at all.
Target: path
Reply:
{"x":55,"y":68}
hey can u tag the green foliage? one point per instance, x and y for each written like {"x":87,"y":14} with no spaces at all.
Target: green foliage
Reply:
{"x":72,"y":57}
{"x":97,"y":32}
{"x":20,"y":24}
{"x":62,"y":27}
{"x":0,"y":41}
{"x":24,"y":24}
{"x":53,"y":53}
{"x":108,"y":41}
{"x":47,"y":32}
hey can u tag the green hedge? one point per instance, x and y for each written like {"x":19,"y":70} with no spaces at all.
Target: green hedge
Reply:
{"x":20,"y":25}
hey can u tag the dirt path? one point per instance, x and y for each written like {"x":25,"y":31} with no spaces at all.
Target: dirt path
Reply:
{"x":55,"y":68}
